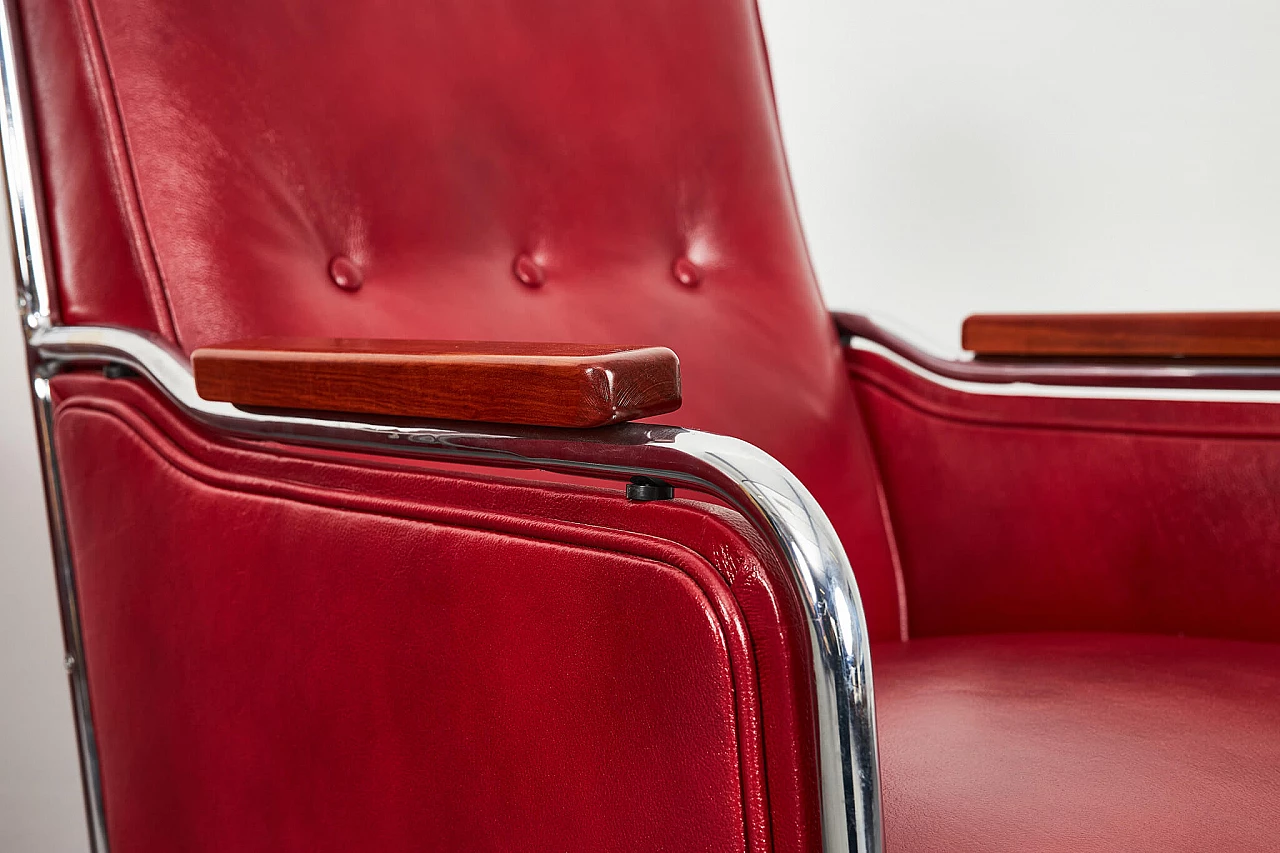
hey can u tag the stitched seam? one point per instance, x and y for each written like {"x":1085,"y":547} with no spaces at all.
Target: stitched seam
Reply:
{"x":124,"y":172}
{"x":882,"y":500}
{"x":886,"y":518}
{"x":899,"y":576}
{"x":739,"y":704}
{"x":112,"y":407}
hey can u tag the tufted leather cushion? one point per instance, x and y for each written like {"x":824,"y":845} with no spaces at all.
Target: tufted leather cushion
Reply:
{"x":1080,"y":743}
{"x":593,"y":172}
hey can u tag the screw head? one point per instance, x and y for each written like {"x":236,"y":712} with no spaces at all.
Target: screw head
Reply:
{"x":649,"y":489}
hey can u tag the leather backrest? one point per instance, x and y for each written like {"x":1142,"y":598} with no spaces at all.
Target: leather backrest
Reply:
{"x":595,"y":171}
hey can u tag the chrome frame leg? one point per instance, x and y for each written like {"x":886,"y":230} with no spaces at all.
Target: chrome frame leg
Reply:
{"x":73,"y":644}
{"x":36,"y":308}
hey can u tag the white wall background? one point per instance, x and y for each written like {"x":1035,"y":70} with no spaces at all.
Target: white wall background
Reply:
{"x":1023,"y":155}
{"x":950,"y":156}
{"x":41,"y":808}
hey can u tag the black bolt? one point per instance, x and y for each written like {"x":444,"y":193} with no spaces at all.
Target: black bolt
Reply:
{"x":118,"y":371}
{"x":649,"y":489}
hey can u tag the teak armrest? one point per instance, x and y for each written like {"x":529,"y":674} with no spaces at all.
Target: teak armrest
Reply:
{"x":1208,"y":335}
{"x":563,"y":385}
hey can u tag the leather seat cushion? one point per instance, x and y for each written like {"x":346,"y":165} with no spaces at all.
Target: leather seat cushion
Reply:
{"x":1084,"y":742}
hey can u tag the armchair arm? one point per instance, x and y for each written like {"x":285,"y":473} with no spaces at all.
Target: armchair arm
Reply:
{"x":564,"y":385}
{"x":1206,"y":335}
{"x":1050,"y":374}
{"x":1140,"y":486}
{"x":766,"y":494}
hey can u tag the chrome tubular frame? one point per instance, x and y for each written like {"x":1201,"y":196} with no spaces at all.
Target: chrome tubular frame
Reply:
{"x":1135,"y":379}
{"x":763,"y":490}
{"x":35,"y":300}
{"x":68,"y":603}
{"x":37,"y":310}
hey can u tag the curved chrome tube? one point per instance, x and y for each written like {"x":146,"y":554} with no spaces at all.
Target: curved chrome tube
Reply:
{"x":1172,"y":379}
{"x":762,"y":489}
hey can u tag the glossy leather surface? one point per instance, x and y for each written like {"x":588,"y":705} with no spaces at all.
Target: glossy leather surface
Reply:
{"x":1079,"y":744}
{"x":328,"y":655}
{"x":498,"y":170}
{"x":1042,"y":514}
{"x":299,"y":650}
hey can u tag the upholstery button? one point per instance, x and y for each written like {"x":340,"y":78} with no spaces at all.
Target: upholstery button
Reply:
{"x":686,"y":272}
{"x":345,"y":273}
{"x":529,"y":272}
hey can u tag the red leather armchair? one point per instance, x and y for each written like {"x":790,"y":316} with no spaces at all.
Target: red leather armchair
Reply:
{"x":297,"y":618}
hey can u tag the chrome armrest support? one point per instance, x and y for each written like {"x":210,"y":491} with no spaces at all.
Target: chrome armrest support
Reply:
{"x":762,"y":489}
{"x":1170,"y":379}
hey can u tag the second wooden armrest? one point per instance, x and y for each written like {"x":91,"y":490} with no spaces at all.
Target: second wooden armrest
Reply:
{"x":563,"y":385}
{"x":1208,"y":335}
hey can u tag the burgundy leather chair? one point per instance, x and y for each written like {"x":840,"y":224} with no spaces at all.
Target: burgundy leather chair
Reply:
{"x":362,"y":594}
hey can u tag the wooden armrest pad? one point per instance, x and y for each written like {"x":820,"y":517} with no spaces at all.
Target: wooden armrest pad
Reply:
{"x":1210,"y":335}
{"x":565,"y":385}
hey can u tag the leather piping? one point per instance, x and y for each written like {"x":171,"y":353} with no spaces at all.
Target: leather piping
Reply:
{"x":996,"y":421}
{"x":899,"y":577}
{"x":124,"y":173}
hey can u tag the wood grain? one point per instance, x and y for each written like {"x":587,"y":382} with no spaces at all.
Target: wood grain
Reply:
{"x":1208,"y":335}
{"x":564,"y":385}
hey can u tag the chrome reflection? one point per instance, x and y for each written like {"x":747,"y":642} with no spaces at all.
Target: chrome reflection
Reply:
{"x":37,"y":310}
{"x":763,"y":490}
{"x":73,"y":644}
{"x":1120,"y":379}
{"x":35,"y":299}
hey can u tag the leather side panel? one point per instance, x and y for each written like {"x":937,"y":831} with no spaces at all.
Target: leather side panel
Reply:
{"x":1041,"y":514}
{"x":299,"y":636}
